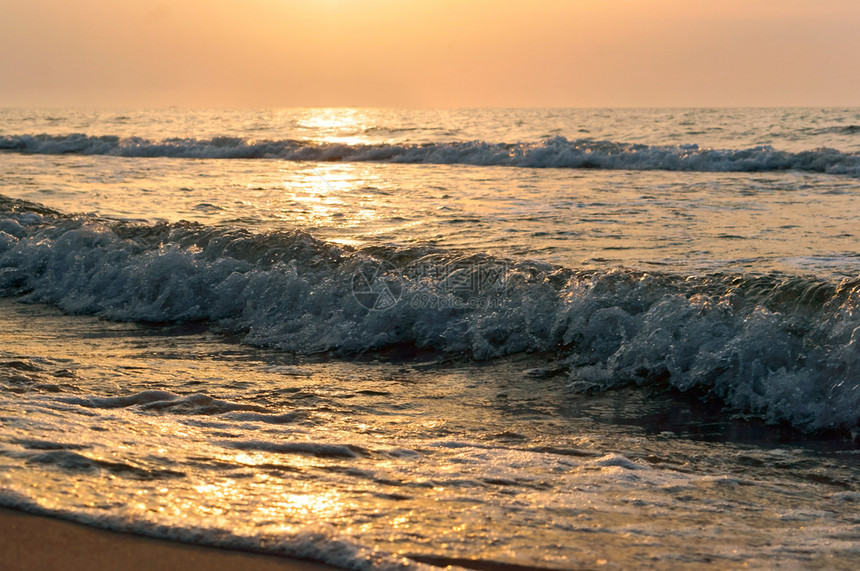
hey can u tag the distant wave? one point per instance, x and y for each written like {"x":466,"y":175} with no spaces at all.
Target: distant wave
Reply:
{"x":780,"y":348}
{"x":839,"y":129}
{"x":556,"y":152}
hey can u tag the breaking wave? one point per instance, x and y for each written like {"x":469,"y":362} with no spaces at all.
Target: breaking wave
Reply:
{"x":781,"y":348}
{"x":556,"y":152}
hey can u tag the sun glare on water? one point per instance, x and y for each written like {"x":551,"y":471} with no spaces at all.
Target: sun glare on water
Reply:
{"x":335,"y":126}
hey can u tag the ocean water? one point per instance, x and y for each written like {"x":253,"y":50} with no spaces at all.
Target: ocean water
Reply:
{"x":394,"y":338}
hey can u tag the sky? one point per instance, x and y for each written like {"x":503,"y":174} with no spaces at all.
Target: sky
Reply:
{"x":430,"y":53}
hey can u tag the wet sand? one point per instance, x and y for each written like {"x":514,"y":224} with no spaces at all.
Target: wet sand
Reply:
{"x":29,"y":542}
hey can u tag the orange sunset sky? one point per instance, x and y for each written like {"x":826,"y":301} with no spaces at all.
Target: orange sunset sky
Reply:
{"x":430,"y":53}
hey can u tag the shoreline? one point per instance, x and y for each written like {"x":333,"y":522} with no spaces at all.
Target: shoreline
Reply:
{"x":29,"y":541}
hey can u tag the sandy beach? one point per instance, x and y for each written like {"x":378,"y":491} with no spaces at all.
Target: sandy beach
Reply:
{"x":30,"y":542}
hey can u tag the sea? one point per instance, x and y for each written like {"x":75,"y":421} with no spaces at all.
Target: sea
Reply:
{"x":497,"y":339}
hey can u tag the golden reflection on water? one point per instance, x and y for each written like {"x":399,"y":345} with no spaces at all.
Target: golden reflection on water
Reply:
{"x":301,"y":506}
{"x":343,"y":126}
{"x":345,"y":203}
{"x":328,"y":195}
{"x":275,"y":499}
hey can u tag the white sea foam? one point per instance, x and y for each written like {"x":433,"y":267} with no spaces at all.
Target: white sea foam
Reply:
{"x":786,"y":349}
{"x":555,"y":152}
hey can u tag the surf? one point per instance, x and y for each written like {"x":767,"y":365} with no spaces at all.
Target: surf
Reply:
{"x":783,"y":348}
{"x":550,"y":152}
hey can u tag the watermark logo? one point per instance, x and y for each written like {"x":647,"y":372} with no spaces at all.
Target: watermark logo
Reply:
{"x":439,"y":285}
{"x":377,"y":286}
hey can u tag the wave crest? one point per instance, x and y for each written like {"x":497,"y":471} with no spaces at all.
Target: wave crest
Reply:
{"x":555,"y":152}
{"x":781,"y":348}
